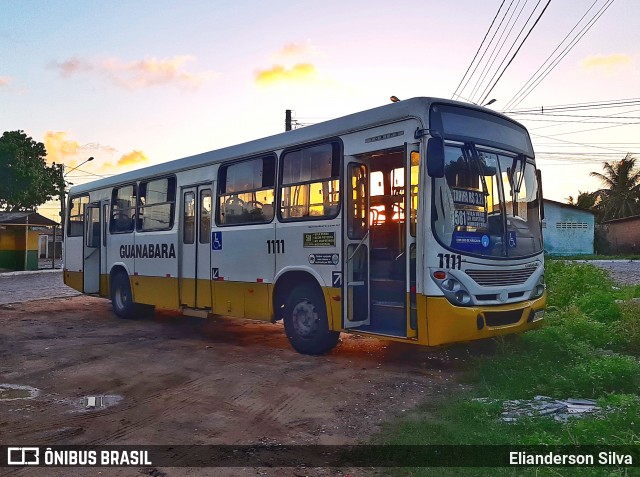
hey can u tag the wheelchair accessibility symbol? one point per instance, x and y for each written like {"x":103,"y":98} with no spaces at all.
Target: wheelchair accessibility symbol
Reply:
{"x":512,"y":239}
{"x":216,"y":240}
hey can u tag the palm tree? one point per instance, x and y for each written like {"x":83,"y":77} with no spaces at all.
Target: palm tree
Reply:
{"x":620,"y":196}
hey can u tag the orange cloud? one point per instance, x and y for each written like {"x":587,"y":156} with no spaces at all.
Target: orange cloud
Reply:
{"x":279,"y":73}
{"x":60,"y":149}
{"x":609,"y":63}
{"x":138,"y":74}
{"x":4,"y":81}
{"x":132,"y":158}
{"x":63,"y":150}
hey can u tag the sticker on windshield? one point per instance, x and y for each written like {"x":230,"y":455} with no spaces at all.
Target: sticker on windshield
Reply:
{"x":469,"y":241}
{"x":512,"y":239}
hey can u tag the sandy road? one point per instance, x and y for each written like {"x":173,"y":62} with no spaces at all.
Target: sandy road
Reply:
{"x":193,"y":381}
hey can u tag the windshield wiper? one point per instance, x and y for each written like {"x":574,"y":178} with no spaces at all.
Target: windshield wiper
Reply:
{"x":516,"y":186}
{"x":476,"y":158}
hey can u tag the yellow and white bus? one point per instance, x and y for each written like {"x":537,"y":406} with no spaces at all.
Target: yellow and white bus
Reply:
{"x":418,"y":221}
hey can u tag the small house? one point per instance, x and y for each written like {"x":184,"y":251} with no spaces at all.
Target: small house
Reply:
{"x":19,"y":239}
{"x":567,"y":229}
{"x":623,"y":235}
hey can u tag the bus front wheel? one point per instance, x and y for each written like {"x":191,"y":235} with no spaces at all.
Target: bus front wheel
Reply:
{"x":305,"y":322}
{"x":121,"y":297}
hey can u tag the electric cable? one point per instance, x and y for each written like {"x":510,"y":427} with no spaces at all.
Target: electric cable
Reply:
{"x":518,"y":50}
{"x":477,"y":51}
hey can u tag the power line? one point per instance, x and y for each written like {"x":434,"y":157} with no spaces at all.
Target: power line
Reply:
{"x":586,"y":153}
{"x":518,"y":50}
{"x":552,"y":53}
{"x":594,"y":129}
{"x":562,"y":54}
{"x":617,"y":103}
{"x":582,"y":116}
{"x":484,"y":69}
{"x":502,"y":45}
{"x":577,"y":143}
{"x":512,"y":45}
{"x":477,"y":51}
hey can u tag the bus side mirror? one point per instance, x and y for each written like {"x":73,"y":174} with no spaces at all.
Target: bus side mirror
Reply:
{"x":435,"y":157}
{"x":539,"y":177}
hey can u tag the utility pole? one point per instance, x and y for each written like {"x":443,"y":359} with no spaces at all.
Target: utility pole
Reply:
{"x":287,"y":120}
{"x":62,"y":208}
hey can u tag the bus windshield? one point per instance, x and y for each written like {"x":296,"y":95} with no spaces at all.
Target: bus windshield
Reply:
{"x":487,"y":203}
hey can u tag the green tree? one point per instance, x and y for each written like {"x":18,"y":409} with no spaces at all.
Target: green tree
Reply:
{"x":620,"y":196}
{"x":25,"y":179}
{"x":587,"y":200}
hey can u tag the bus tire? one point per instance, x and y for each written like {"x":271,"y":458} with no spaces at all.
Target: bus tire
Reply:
{"x":121,"y":296}
{"x":305,"y":322}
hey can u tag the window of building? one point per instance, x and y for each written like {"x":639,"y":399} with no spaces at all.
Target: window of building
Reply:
{"x":311,"y":183}
{"x":246,"y":192}
{"x":75,"y":227}
{"x":123,"y":209}
{"x":157,"y":204}
{"x":571,"y":225}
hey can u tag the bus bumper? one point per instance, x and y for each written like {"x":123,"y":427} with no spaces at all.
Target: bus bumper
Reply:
{"x":447,"y":323}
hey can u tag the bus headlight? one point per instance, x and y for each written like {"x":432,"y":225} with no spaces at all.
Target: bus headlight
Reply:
{"x":538,"y":290}
{"x":455,"y":292}
{"x":450,"y":284}
{"x":463,"y":297}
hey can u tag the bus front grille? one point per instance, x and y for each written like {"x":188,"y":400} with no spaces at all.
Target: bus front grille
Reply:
{"x":500,"y":278}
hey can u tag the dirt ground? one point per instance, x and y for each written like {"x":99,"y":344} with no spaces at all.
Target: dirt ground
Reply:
{"x":179,"y":380}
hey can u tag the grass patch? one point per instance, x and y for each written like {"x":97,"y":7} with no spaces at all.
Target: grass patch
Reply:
{"x":593,"y":257}
{"x":588,"y":348}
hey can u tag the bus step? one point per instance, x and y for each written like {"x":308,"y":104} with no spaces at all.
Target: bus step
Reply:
{"x":385,"y":289}
{"x":195,"y":312}
{"x":388,"y":317}
{"x":388,"y":304}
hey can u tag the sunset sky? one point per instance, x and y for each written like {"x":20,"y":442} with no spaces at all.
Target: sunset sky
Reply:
{"x":142,"y":82}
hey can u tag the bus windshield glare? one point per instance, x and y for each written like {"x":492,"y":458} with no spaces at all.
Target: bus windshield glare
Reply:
{"x":487,"y":203}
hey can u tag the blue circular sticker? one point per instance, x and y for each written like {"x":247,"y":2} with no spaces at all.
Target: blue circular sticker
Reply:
{"x":485,"y":241}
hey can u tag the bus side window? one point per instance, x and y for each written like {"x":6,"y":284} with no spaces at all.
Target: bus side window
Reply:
{"x":205,"y":216}
{"x":75,"y":227}
{"x":156,"y":205}
{"x":311,"y":182}
{"x":123,"y":210}
{"x":246,"y":192}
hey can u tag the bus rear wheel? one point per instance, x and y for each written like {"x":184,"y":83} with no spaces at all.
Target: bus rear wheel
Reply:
{"x":306,"y":324}
{"x":121,"y":297}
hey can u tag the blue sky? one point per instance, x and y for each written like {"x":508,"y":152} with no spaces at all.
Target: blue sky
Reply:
{"x":141,"y":82}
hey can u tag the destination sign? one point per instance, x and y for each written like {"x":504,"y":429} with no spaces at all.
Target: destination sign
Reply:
{"x":468,"y":197}
{"x":470,"y":218}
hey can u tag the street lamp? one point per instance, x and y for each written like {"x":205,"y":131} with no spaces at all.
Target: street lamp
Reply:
{"x":63,"y":186}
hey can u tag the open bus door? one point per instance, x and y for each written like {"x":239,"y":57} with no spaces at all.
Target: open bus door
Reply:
{"x":355,"y":284}
{"x":92,"y":248}
{"x":412,"y":175}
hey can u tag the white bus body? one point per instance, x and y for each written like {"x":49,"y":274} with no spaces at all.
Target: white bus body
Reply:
{"x":417,"y":221}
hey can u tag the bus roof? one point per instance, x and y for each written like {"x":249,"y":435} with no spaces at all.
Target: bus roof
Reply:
{"x":409,"y":108}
